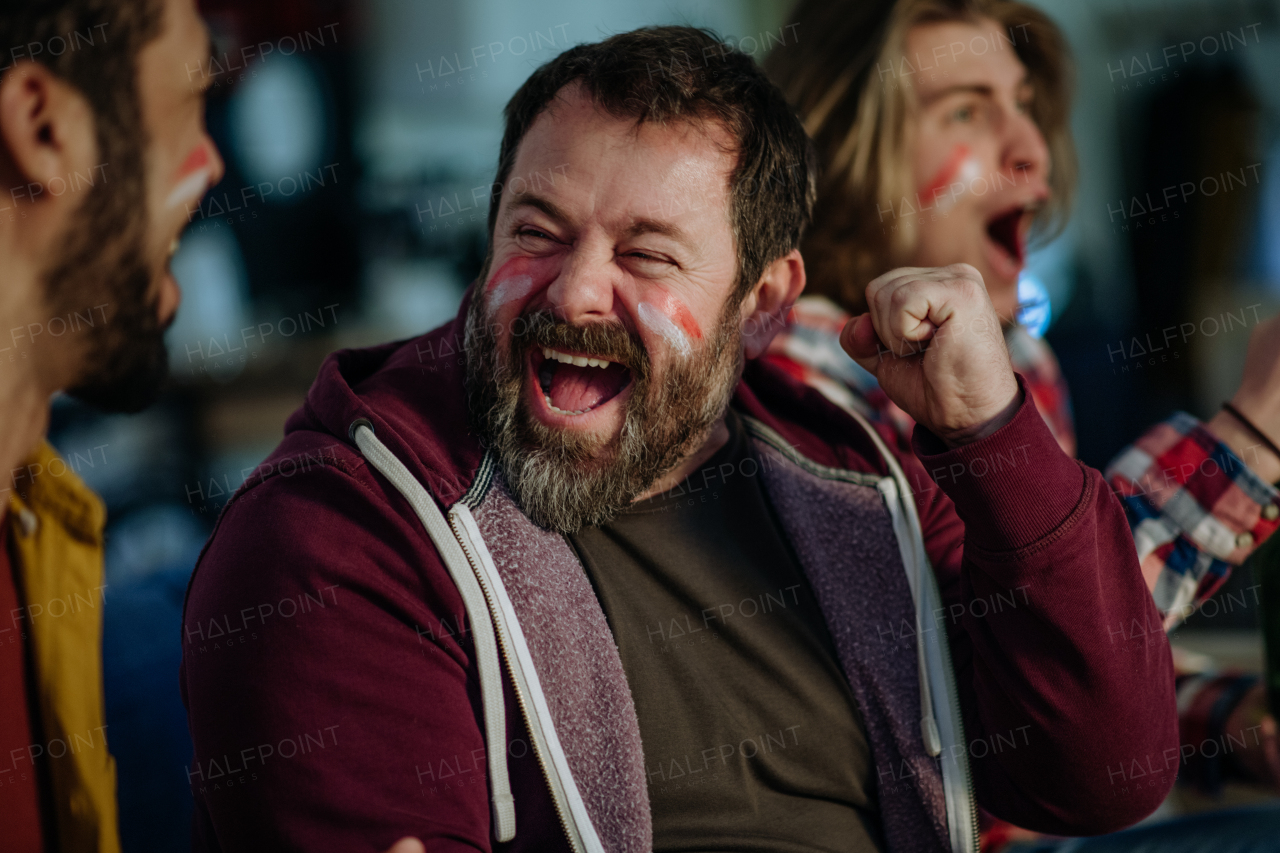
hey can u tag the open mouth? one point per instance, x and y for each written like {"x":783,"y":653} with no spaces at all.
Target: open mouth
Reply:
{"x":576,"y":384}
{"x":1006,"y":231}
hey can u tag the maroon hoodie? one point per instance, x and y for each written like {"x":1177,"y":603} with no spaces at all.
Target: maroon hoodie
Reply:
{"x":332,"y":685}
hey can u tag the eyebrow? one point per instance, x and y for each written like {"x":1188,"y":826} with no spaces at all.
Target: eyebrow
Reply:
{"x":537,"y":202}
{"x":641,"y":227}
{"x":973,"y":88}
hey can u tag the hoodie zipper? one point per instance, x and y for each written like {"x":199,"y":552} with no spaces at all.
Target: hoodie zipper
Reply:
{"x":953,"y":698}
{"x":766,"y":434}
{"x":515,"y":684}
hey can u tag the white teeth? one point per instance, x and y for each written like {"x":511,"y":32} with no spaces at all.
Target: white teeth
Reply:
{"x":552,"y":406}
{"x":576,"y":360}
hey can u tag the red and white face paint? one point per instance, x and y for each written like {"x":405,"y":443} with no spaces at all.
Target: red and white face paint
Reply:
{"x":667,"y":317}
{"x":954,"y":179}
{"x":659,"y":312}
{"x":193,"y":178}
{"x":516,"y":280}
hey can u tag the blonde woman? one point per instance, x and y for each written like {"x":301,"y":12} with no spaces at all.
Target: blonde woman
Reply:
{"x":942,"y":129}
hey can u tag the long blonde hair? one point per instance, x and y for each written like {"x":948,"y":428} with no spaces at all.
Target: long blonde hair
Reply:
{"x":835,"y":78}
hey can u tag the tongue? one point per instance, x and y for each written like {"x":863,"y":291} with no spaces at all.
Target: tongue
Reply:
{"x":578,"y":389}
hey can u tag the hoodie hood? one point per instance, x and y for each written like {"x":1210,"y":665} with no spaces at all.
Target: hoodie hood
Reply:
{"x":413,"y":393}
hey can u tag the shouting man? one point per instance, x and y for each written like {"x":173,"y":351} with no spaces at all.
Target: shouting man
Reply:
{"x":102,"y":147}
{"x":582,"y":575}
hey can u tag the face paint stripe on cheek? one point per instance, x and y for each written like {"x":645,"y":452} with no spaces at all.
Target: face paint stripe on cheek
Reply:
{"x":662,"y":325}
{"x":686,"y":321}
{"x":193,"y":178}
{"x":676,"y":310}
{"x":502,"y":291}
{"x":197,"y":159}
{"x":959,"y":164}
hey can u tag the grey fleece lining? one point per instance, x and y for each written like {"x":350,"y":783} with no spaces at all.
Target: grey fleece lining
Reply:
{"x":579,"y":668}
{"x":843,"y":537}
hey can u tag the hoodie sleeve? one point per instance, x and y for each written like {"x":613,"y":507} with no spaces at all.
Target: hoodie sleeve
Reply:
{"x":1042,"y":588}
{"x":329,"y":679}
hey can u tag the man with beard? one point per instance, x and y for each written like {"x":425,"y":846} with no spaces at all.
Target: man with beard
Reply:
{"x":102,"y":147}
{"x":575,"y":572}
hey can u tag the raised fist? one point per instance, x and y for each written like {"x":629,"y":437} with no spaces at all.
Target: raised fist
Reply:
{"x":934,"y":342}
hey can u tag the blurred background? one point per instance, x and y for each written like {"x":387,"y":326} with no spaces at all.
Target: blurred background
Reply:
{"x":361,"y":140}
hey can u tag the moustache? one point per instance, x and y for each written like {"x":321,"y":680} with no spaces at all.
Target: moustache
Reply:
{"x":608,"y":339}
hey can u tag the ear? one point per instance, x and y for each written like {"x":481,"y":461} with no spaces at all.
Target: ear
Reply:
{"x":764,"y":311}
{"x":47,"y":132}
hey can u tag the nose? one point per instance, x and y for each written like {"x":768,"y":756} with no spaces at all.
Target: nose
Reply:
{"x":217,"y":164}
{"x":583,"y":292}
{"x":1025,"y":152}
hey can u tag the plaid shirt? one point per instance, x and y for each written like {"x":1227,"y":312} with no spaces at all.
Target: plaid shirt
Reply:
{"x":1194,"y":507}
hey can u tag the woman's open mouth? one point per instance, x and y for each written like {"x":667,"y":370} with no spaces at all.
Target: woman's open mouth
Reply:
{"x":575,"y":384}
{"x":1005,"y":230}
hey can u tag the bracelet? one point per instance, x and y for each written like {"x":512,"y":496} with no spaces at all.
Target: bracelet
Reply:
{"x":1235,"y":413}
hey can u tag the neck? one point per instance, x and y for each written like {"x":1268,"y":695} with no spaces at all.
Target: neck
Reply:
{"x":716,"y":438}
{"x":26,"y":418}
{"x":24,"y":388}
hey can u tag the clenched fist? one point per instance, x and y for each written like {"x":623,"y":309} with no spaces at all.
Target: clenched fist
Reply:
{"x":933,"y":341}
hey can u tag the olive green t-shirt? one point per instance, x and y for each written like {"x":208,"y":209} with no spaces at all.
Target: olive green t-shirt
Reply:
{"x":752,"y":738}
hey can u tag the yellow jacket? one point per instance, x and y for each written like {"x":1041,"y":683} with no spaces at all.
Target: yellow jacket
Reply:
{"x":55,"y":526}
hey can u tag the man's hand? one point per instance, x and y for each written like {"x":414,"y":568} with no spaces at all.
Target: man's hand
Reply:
{"x":407,"y":845}
{"x":933,"y":341}
{"x":1258,"y":398}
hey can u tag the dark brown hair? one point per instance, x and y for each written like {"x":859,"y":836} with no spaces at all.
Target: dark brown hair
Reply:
{"x":859,"y":125}
{"x":93,"y":45}
{"x":683,"y":74}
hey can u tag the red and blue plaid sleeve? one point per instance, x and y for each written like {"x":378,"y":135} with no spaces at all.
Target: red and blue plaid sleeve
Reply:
{"x":1196,"y":510}
{"x":1194,"y":507}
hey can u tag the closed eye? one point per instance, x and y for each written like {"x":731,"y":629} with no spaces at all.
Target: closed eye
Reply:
{"x":646,"y":265}
{"x":644,"y":256}
{"x":536,"y":240}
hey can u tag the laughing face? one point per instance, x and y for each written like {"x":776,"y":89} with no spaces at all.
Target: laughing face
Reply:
{"x":119,"y":242}
{"x":603,"y":345}
{"x":978,"y":157}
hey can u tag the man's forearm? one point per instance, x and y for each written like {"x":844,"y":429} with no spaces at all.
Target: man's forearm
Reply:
{"x":1044,"y":648}
{"x":1243,"y":443}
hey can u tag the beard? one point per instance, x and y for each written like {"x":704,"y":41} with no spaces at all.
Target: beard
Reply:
{"x":565,"y":480}
{"x":103,"y":263}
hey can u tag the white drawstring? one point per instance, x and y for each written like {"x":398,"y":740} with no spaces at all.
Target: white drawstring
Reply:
{"x":906,"y":523}
{"x":487,"y":660}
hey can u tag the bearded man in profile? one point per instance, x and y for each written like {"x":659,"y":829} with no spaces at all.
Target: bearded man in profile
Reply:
{"x":102,"y":149}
